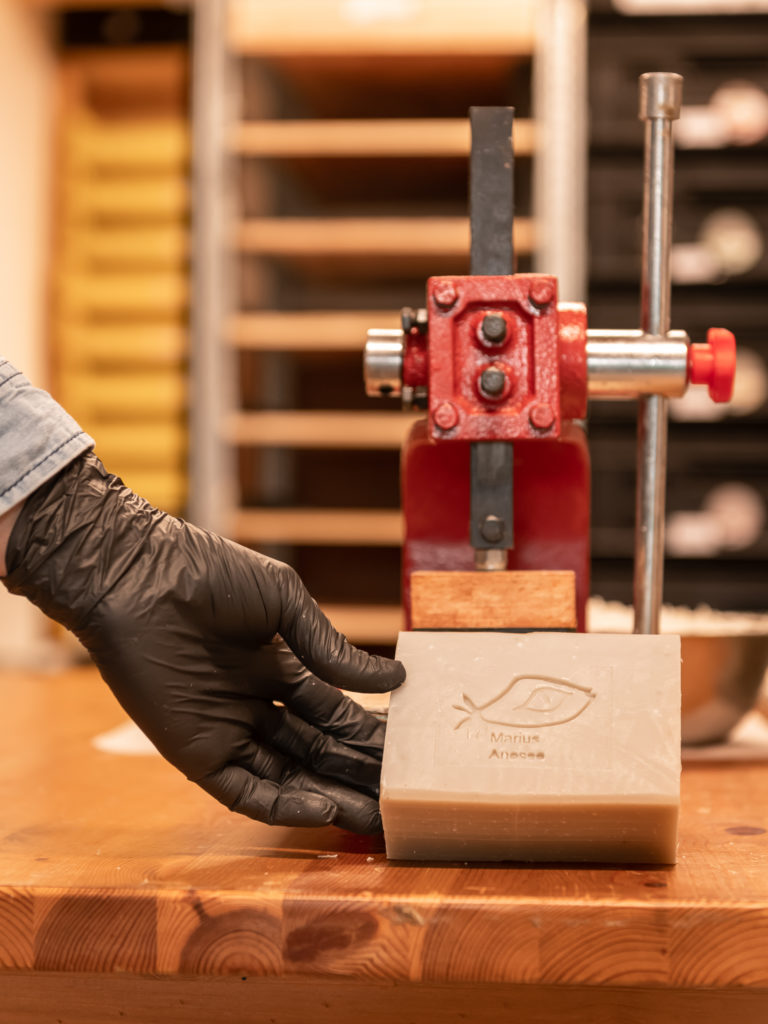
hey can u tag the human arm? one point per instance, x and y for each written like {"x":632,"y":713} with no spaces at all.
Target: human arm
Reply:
{"x":217,"y":652}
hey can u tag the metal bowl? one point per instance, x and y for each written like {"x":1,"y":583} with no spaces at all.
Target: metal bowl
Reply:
{"x":721,"y":680}
{"x":724,"y":655}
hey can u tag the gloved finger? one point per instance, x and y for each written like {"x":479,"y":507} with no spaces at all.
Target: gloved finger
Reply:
{"x":317,"y":702}
{"x":331,"y":711}
{"x":303,"y":744}
{"x":324,"y":650}
{"x":355,"y":811}
{"x":296,"y":797}
{"x":266,"y":801}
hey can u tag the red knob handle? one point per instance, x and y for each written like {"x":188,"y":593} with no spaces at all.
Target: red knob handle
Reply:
{"x":714,"y":363}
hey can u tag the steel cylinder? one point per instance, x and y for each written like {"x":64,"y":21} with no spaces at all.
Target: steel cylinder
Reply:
{"x":383,"y":362}
{"x":630,"y":363}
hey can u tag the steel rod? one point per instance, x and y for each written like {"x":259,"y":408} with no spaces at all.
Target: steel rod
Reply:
{"x":660,"y":97}
{"x":212,"y":463}
{"x":629,"y":363}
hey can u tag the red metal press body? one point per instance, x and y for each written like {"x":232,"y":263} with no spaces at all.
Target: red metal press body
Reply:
{"x":536,"y":356}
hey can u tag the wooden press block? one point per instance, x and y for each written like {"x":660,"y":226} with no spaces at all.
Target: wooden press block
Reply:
{"x":493,"y":600}
{"x":536,"y":747}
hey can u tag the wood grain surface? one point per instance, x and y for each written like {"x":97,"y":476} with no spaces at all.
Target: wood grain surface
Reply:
{"x":493,"y":600}
{"x":117,"y":999}
{"x":115,"y":865}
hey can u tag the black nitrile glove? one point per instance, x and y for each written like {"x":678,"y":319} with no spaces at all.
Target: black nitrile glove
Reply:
{"x":187,"y":629}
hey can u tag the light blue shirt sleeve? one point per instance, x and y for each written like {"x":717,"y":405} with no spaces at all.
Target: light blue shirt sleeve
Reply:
{"x":37,"y":437}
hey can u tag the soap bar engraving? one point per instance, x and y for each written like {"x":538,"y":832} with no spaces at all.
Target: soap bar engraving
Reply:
{"x":511,"y":755}
{"x":514,"y":737}
{"x":511,"y":746}
{"x":530,"y":702}
{"x":529,"y":707}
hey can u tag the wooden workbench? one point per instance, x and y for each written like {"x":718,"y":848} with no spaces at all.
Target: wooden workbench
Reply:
{"x":126,"y":894}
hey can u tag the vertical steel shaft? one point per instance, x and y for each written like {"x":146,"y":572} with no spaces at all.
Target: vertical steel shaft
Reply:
{"x":491,"y":217}
{"x":660,"y":97}
{"x":491,"y":191}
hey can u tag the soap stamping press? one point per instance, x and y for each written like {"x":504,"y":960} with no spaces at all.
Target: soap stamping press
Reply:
{"x":504,"y":373}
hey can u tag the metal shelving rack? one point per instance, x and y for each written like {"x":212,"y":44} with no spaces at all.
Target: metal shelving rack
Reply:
{"x":709,"y":446}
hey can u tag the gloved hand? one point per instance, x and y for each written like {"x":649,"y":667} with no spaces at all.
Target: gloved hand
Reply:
{"x":198,"y":637}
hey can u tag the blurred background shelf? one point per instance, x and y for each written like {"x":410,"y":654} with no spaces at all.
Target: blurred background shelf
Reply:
{"x":121,"y":274}
{"x":330,"y":144}
{"x":142,"y":144}
{"x":124,"y":344}
{"x":356,"y":527}
{"x":301,"y":428}
{"x":305,"y":330}
{"x":372,"y":625}
{"x":342,"y":186}
{"x":375,"y":137}
{"x":322,"y":28}
{"x":153,"y":247}
{"x":376,"y":237}
{"x":86,"y":295}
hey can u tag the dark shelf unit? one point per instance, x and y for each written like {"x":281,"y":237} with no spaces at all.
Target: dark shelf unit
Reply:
{"x":708,"y":51}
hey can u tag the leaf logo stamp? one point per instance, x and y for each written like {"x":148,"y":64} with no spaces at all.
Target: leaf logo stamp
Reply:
{"x":530,"y":702}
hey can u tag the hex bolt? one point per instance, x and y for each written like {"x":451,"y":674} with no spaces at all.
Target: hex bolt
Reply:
{"x":445,"y":295}
{"x":542,"y":416}
{"x":446,"y":416}
{"x":492,"y":529}
{"x":492,"y":382}
{"x":494,"y":328}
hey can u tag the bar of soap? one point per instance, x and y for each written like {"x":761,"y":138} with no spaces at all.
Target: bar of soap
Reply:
{"x":534,"y":747}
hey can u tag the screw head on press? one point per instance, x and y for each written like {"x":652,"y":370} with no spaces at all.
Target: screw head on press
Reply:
{"x":446,"y":416}
{"x":445,"y":295}
{"x":492,"y":529}
{"x":494,"y":328}
{"x":541,"y":292}
{"x":493,"y":382}
{"x":542,"y":416}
